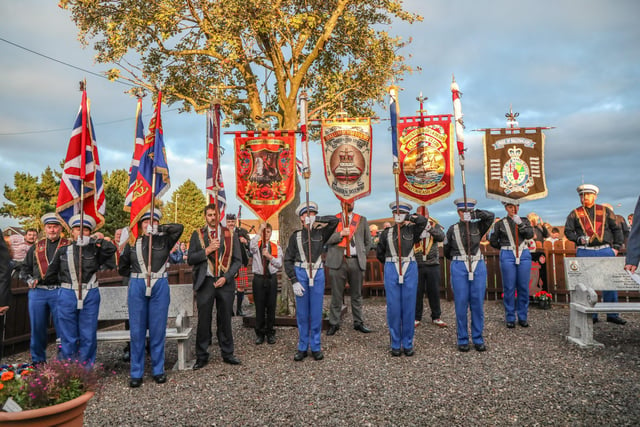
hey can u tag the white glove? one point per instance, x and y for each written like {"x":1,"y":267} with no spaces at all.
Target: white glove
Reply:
{"x":466,"y":216}
{"x":298,"y":290}
{"x":582,"y":240}
{"x":424,"y":234}
{"x":152,"y":229}
{"x":310,"y":219}
{"x":517,"y":219}
{"x":83,"y":240}
{"x":399,"y":218}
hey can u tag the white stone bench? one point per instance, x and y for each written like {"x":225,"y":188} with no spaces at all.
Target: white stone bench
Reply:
{"x":113,"y":306}
{"x":585,"y":276}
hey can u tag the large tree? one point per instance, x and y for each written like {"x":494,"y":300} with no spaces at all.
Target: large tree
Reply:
{"x":186,"y":208}
{"x":255,"y":56}
{"x":31,"y":197}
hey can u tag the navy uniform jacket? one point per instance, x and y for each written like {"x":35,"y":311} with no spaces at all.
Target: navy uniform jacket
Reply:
{"x":612,"y":233}
{"x":410,"y":232}
{"x":163,"y":242}
{"x":322,"y":229}
{"x":500,"y":238}
{"x":477,"y":229}
{"x":94,"y":255}
{"x":30,"y":269}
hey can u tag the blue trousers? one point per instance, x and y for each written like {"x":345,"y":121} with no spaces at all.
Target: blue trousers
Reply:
{"x":78,"y":328}
{"x":607,"y":296}
{"x":309,"y":310}
{"x":401,"y":304}
{"x":42,"y":306}
{"x":148,"y":313}
{"x":469,"y":294}
{"x":515,"y":279}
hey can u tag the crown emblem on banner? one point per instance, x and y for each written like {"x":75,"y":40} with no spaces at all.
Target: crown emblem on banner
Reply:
{"x":514,"y":152}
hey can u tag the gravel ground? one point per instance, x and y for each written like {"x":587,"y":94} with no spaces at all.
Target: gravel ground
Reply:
{"x":527,"y":377}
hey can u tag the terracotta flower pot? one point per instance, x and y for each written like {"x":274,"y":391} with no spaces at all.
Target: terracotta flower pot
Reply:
{"x":70,"y":414}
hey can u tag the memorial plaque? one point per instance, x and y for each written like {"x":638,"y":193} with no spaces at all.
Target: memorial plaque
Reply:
{"x":598,"y":273}
{"x":113,"y":301}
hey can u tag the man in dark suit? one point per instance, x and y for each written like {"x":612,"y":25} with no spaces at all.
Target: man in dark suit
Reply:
{"x":347,"y":261}
{"x":214,"y":253}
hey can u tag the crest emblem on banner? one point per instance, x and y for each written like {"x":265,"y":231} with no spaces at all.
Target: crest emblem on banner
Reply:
{"x":514,"y":164}
{"x":346,"y":149}
{"x":426,"y":158}
{"x":265,"y":171}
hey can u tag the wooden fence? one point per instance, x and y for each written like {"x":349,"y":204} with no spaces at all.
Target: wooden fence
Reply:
{"x":17,"y":332}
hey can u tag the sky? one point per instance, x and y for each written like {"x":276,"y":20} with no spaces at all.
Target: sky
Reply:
{"x":572,"y":65}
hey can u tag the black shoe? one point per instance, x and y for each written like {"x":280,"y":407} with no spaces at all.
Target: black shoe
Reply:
{"x":240,"y":313}
{"x":317,"y":355}
{"x":523,"y":323}
{"x":231,"y":360}
{"x":200,"y":363}
{"x":595,"y":320}
{"x":260,"y":339}
{"x":480,"y":347}
{"x":362,"y":328}
{"x":300,"y":355}
{"x":333,"y":329}
{"x":395,"y":352}
{"x":511,"y":325}
{"x":617,"y":320}
{"x":160,"y":379}
{"x":271,"y":339}
{"x":135,"y":382}
{"x":409,"y":352}
{"x":463,"y":347}
{"x":126,"y":356}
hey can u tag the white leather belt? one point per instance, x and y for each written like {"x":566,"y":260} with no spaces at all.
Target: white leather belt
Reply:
{"x":152,"y":275}
{"x":404,"y":259}
{"x":466,"y":258}
{"x":85,"y":286}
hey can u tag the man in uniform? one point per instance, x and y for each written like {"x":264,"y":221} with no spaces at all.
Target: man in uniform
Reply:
{"x":214,"y":253}
{"x":510,"y":236}
{"x":401,"y":275}
{"x":468,"y":271}
{"x":78,"y":318}
{"x":347,"y":261}
{"x":595,"y":231}
{"x":427,"y":256}
{"x":43,"y":296}
{"x":303,"y":266}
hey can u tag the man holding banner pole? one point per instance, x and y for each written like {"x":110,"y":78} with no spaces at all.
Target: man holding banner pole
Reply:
{"x":347,"y":261}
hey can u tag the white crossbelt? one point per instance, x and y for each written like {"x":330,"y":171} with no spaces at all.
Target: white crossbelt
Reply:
{"x":512,"y":247}
{"x":304,"y":263}
{"x":75,"y":285}
{"x":397,"y":262}
{"x":463,"y":253}
{"x":144,"y":272}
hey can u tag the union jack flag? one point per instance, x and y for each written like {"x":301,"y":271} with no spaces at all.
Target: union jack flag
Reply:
{"x":215,"y":185}
{"x":81,"y":186}
{"x":135,"y":160}
{"x":152,"y":162}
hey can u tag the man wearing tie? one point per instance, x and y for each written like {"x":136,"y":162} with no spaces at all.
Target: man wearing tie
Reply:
{"x":214,"y":253}
{"x":347,"y":261}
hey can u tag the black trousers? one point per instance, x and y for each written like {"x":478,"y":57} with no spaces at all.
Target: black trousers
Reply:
{"x":265,"y":295}
{"x":223,"y":298}
{"x":429,"y":280}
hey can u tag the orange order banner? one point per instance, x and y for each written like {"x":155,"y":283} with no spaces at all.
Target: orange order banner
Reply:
{"x":426,"y":158}
{"x":265,"y":170}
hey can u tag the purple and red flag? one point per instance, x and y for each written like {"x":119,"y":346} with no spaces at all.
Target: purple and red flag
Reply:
{"x":153,"y":162}
{"x":215,"y":185}
{"x":81,"y":186}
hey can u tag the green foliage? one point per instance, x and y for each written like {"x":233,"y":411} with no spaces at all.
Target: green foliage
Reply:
{"x":190,"y":201}
{"x":115,"y":190}
{"x":31,"y":197}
